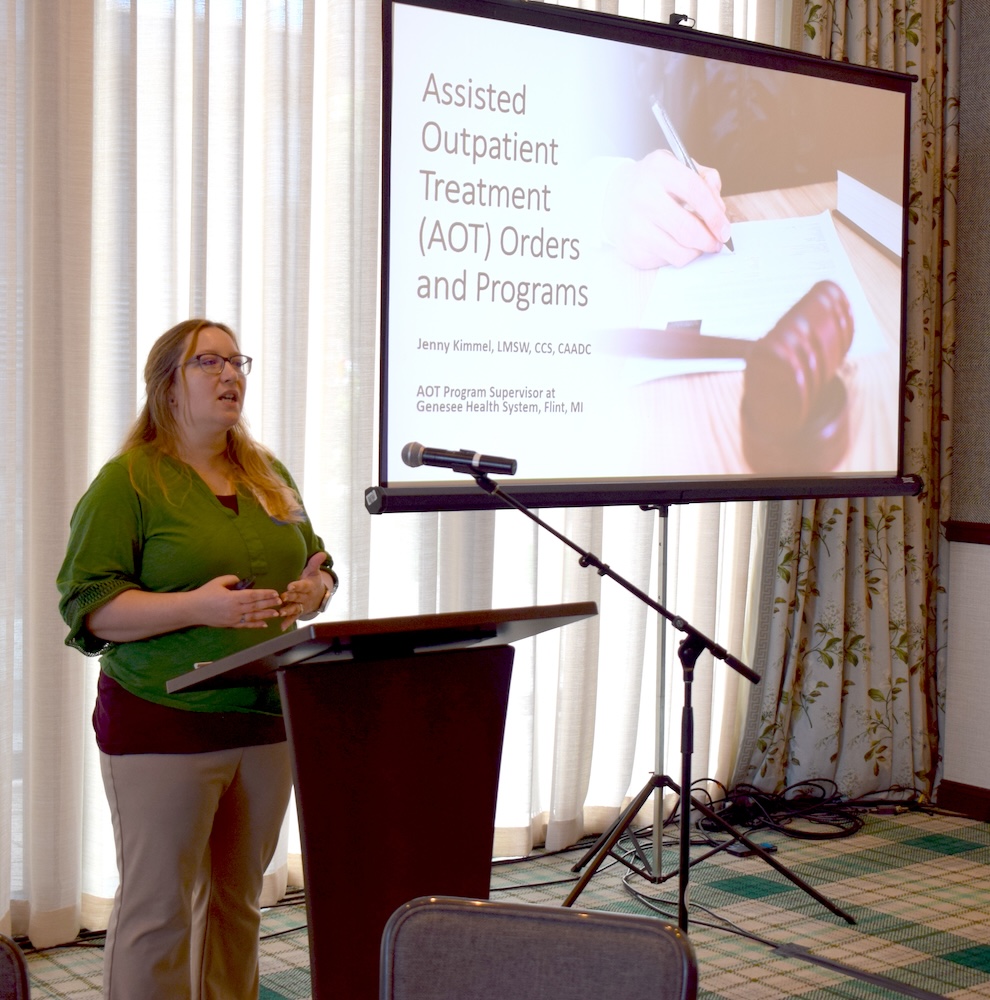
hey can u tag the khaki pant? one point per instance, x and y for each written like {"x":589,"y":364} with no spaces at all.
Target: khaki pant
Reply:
{"x":194,"y":834}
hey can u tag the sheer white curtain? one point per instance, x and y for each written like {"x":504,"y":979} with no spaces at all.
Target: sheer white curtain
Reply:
{"x":183,"y":157}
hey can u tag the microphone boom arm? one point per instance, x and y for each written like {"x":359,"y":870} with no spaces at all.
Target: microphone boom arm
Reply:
{"x":691,"y":647}
{"x":693,"y":638}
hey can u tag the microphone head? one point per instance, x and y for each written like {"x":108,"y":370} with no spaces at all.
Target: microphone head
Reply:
{"x":412,"y":454}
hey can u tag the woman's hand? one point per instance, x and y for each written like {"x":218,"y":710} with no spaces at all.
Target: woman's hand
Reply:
{"x":304,"y":596}
{"x":659,"y":212}
{"x":231,"y":607}
{"x":139,"y":614}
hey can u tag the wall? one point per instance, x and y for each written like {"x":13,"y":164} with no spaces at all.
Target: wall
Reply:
{"x":966,"y":749}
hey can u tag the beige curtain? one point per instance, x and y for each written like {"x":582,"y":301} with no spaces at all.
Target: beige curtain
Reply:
{"x":161,"y":161}
{"x":851,"y":691}
{"x":166,"y":160}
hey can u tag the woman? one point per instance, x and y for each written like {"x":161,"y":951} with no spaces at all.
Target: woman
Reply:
{"x":190,"y":545}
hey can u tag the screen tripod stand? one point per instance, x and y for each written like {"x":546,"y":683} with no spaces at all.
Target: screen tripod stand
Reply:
{"x":690,"y":648}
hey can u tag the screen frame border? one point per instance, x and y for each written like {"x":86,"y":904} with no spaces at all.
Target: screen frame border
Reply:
{"x":442,"y":495}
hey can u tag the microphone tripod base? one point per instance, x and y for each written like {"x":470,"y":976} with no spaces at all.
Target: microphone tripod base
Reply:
{"x":605,"y":846}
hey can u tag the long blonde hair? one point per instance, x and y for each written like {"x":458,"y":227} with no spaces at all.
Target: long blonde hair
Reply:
{"x":157,"y":429}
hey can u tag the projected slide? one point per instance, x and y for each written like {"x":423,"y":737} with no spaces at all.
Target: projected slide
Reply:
{"x":613,"y":262}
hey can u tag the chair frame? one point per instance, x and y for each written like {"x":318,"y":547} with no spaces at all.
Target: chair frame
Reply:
{"x":15,"y":984}
{"x":564,"y":936}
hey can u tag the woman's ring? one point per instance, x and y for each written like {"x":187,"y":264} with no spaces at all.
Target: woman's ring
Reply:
{"x":242,"y":620}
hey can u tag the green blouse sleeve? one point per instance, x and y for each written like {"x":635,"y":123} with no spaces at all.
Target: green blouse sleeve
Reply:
{"x":103,"y":554}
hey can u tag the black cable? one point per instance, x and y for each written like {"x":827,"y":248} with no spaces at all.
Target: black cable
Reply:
{"x":296,"y":898}
{"x":288,"y":930}
{"x":808,"y":810}
{"x":582,"y":845}
{"x":84,"y":939}
{"x":537,"y":885}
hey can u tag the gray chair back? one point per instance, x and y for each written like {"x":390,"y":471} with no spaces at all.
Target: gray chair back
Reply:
{"x":14,"y":983}
{"x":444,"y":948}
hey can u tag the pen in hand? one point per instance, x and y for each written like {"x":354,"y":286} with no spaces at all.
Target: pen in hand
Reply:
{"x":678,"y":149}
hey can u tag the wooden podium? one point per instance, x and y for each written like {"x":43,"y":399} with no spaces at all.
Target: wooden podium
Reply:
{"x":395,"y":727}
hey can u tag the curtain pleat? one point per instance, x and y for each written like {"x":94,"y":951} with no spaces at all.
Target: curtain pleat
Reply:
{"x":11,"y":453}
{"x":57,"y":61}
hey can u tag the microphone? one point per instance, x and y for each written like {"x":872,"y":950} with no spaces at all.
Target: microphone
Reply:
{"x":414,"y":454}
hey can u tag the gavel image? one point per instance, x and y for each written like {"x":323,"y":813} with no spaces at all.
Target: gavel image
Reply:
{"x":793,"y":402}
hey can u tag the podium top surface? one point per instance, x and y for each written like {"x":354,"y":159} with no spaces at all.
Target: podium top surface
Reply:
{"x":381,"y":637}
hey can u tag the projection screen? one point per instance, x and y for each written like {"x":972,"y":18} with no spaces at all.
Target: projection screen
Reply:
{"x":647,"y":263}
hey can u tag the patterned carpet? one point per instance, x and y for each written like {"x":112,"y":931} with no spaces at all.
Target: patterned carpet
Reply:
{"x":916,"y":883}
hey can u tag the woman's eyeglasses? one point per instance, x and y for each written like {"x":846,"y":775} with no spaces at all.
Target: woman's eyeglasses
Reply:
{"x":213,"y":364}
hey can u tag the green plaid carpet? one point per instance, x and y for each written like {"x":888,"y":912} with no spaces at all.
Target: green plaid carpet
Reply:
{"x":917,"y":885}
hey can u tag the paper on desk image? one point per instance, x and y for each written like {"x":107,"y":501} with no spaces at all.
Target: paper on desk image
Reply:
{"x":744,"y":294}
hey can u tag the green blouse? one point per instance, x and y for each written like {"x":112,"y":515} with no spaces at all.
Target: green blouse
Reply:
{"x":129,"y":532}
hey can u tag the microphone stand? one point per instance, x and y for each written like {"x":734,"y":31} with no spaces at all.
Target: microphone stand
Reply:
{"x":690,"y":648}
